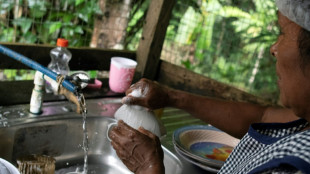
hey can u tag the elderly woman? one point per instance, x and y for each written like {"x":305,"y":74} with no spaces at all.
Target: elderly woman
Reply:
{"x":273,"y":139}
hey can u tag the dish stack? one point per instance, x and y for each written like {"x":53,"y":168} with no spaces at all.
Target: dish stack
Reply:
{"x":204,"y":146}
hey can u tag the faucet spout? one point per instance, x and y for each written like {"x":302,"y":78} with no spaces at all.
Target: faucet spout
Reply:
{"x":71,"y":97}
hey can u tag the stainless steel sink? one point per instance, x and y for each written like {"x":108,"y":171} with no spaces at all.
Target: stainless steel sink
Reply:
{"x":60,"y":135}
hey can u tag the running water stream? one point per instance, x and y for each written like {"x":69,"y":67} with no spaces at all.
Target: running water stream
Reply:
{"x":85,"y":147}
{"x":81,"y":100}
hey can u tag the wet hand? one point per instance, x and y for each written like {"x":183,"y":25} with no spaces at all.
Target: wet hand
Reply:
{"x":153,"y":95}
{"x":140,"y":150}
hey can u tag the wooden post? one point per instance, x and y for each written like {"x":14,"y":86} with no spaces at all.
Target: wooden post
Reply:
{"x":153,"y":36}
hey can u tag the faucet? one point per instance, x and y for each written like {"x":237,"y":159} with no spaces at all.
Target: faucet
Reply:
{"x":36,"y":100}
{"x":63,"y":86}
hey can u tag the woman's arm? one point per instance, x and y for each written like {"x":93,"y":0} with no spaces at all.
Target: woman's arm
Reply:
{"x":232,"y":117}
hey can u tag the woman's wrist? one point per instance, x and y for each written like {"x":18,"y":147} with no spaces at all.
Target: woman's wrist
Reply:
{"x":171,"y":97}
{"x":176,"y":98}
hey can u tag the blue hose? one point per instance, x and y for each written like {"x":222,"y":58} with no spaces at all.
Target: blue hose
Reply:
{"x":36,"y":66}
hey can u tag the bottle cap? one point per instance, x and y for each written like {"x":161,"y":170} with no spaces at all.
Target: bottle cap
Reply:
{"x":62,"y":42}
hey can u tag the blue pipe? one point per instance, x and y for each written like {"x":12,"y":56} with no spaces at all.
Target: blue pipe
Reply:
{"x":36,"y":66}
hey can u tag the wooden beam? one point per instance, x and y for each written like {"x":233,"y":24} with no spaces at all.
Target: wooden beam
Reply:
{"x":154,"y":32}
{"x":183,"y":79}
{"x":82,"y":58}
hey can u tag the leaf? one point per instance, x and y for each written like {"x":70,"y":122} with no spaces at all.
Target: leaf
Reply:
{"x":7,"y":35}
{"x":83,"y":13}
{"x":9,"y":73}
{"x":44,"y":35}
{"x":187,"y":27}
{"x":29,"y":38}
{"x":55,"y":26}
{"x":37,"y":13}
{"x":229,"y":11}
{"x":38,"y":8}
{"x":67,"y":2}
{"x":67,"y":32}
{"x":24,"y":23}
{"x":186,"y":63}
{"x":79,"y":30}
{"x":78,"y":2}
{"x":67,"y":17}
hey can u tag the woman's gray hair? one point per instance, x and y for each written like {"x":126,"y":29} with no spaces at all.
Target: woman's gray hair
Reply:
{"x":297,"y":11}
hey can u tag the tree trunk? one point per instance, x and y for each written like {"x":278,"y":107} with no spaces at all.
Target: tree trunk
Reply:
{"x":110,"y":27}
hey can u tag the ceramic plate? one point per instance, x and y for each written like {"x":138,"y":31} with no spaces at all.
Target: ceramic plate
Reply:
{"x":197,"y":163}
{"x":206,"y":144}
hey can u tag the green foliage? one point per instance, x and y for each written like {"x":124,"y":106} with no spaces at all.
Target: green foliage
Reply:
{"x":231,"y":42}
{"x":18,"y":74}
{"x":44,"y":21}
{"x":135,"y":25}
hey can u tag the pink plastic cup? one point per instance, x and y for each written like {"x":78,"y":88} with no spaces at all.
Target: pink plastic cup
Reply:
{"x":121,"y":74}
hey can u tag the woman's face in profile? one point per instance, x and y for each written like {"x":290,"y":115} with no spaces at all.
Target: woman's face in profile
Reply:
{"x":293,"y":82}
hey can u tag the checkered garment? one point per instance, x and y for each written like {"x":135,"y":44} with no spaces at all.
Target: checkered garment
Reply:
{"x":273,"y":148}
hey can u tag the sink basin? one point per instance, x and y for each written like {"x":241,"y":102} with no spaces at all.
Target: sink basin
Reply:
{"x":61,"y":136}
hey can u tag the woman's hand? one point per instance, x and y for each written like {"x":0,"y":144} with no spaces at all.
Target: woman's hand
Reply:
{"x":140,"y":150}
{"x":154,"y":96}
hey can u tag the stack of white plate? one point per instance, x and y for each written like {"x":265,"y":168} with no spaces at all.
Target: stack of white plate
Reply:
{"x":204,"y":146}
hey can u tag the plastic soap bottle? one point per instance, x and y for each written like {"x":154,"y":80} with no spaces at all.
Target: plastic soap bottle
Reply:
{"x":60,"y":57}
